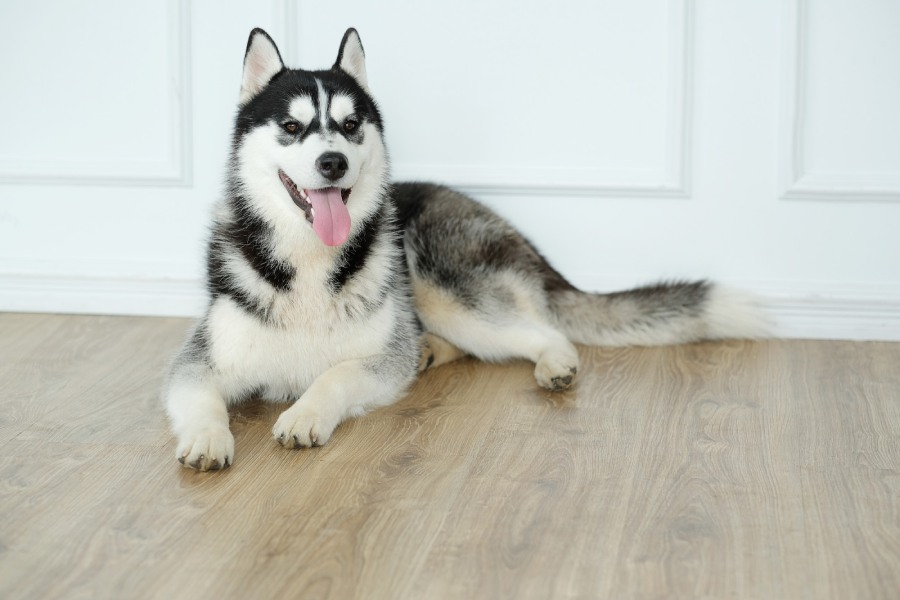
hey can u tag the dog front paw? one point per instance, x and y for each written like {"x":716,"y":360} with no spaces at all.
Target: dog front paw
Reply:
{"x":206,"y":449}
{"x":302,"y":427}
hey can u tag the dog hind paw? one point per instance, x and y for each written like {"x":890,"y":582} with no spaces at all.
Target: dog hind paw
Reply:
{"x":426,"y":354}
{"x":556,"y":372}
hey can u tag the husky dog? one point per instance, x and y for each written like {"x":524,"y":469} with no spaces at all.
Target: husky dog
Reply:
{"x":331,"y":288}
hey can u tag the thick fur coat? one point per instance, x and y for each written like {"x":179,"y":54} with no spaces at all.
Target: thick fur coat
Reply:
{"x":330,"y":287}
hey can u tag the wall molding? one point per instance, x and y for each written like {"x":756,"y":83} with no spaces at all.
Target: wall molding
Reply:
{"x":173,"y":169}
{"x":672,"y":181}
{"x":795,"y":181}
{"x":805,"y":310}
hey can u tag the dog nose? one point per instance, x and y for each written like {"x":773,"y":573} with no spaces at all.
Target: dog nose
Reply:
{"x":332,"y":165}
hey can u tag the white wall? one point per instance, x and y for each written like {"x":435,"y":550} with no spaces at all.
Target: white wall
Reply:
{"x":754,"y":142}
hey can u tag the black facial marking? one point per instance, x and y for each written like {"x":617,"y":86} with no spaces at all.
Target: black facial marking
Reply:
{"x":355,"y":135}
{"x":350,"y":124}
{"x":273,"y":103}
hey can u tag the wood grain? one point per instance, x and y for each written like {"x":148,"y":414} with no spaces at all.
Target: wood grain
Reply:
{"x":718,"y":470}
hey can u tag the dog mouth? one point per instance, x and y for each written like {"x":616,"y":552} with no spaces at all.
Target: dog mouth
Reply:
{"x":325,"y":209}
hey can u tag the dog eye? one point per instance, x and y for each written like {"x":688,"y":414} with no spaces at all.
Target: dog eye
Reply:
{"x":350,"y":125}
{"x":291,"y":127}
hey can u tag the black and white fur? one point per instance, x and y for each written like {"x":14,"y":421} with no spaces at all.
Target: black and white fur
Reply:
{"x":341,"y":325}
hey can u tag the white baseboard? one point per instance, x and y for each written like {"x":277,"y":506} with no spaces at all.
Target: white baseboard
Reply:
{"x":808,"y":310}
{"x":158,"y":297}
{"x":842,"y":313}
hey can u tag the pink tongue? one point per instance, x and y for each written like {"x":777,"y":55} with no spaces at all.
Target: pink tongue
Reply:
{"x":331,"y":221}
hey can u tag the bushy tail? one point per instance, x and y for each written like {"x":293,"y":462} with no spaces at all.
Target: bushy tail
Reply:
{"x":664,"y":313}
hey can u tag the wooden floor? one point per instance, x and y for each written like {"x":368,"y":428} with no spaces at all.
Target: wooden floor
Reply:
{"x":728,"y":470}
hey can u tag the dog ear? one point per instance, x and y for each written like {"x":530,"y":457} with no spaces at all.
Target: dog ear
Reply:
{"x":262,"y":61}
{"x":352,"y":59}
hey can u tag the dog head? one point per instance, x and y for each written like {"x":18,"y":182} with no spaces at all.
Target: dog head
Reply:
{"x":309,"y":143}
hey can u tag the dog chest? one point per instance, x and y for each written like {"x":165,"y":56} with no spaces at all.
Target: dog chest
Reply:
{"x":286,"y":359}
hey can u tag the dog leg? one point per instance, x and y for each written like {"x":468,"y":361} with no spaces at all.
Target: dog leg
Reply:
{"x":348,"y":389}
{"x":555,"y":357}
{"x":500,"y":330}
{"x":199,"y":418}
